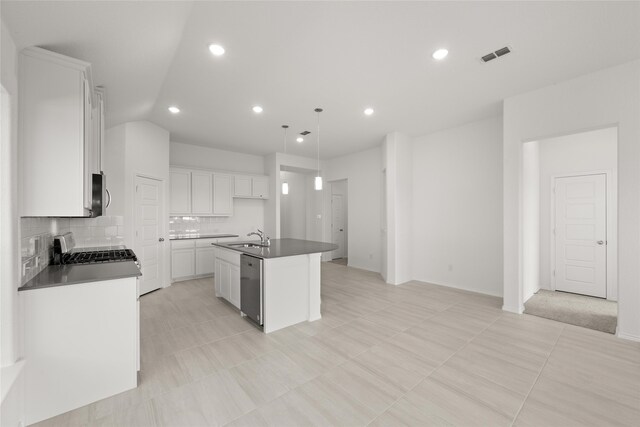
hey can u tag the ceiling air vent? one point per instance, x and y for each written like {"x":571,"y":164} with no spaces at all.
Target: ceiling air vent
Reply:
{"x":305,"y":133}
{"x":498,"y":53}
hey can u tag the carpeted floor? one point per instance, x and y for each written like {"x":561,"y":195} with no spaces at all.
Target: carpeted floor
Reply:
{"x":579,"y":310}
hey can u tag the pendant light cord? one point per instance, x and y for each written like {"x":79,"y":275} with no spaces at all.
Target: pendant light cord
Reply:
{"x":285,"y":127}
{"x":318,"y":110}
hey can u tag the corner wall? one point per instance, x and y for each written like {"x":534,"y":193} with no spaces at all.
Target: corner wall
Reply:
{"x":363,"y":172}
{"x":602,"y":99}
{"x":457,"y":200}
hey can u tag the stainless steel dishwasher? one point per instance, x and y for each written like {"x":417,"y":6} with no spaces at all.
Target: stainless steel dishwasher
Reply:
{"x":251,"y":288}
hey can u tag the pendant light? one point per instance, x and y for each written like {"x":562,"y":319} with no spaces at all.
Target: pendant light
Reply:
{"x":318,"y":180}
{"x":285,"y":184}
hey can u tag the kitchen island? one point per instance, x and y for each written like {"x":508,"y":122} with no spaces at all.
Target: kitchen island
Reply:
{"x":290,"y":278}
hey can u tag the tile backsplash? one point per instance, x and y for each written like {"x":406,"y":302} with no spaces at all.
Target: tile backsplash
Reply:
{"x":101,"y":231}
{"x":36,"y":243}
{"x":185,"y":225}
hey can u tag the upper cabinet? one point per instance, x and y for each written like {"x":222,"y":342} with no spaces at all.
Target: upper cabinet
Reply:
{"x":201,"y":191}
{"x":179,"y":191}
{"x":222,"y":194}
{"x":242,"y":187}
{"x":209,"y":193}
{"x":58,"y":134}
{"x":251,"y":187}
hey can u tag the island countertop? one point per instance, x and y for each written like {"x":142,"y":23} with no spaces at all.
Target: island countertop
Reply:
{"x":281,"y":248}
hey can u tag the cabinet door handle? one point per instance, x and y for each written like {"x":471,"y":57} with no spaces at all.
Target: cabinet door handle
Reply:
{"x":161,"y":239}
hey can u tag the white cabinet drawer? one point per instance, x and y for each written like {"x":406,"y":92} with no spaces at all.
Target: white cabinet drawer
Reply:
{"x":182,"y":244}
{"x":232,"y":257}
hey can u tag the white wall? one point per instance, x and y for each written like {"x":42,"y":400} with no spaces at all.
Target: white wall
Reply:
{"x":273,"y":164}
{"x":11,"y":321}
{"x":212,"y":158}
{"x":581,"y":152}
{"x":293,"y":206}
{"x":130,"y":149}
{"x":399,"y":187}
{"x":363,"y":171}
{"x":601,"y":99}
{"x":342,"y":188}
{"x":457,"y":199}
{"x":531,"y":218}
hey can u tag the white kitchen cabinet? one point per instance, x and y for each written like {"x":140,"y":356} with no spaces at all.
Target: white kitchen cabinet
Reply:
{"x":251,"y":187}
{"x":81,"y":343}
{"x":223,"y":281}
{"x":191,"y":258}
{"x":201,"y":193}
{"x":234,"y":285}
{"x":56,"y":134}
{"x":183,"y":263}
{"x":227,"y":267}
{"x":179,"y":191}
{"x":222,"y":194}
{"x":242,"y":186}
{"x":260,"y":187}
{"x":98,"y":126}
{"x":205,"y":261}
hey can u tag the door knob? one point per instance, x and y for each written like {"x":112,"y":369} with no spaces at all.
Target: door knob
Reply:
{"x":161,"y":239}
{"x":341,"y":229}
{"x":600,"y":242}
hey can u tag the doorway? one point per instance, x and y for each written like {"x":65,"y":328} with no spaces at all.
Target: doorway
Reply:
{"x":570,"y":228}
{"x":149,"y":231}
{"x":339,"y":221}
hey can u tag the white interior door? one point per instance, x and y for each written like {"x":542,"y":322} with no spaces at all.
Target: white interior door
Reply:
{"x":581,"y":235}
{"x":148,"y":232}
{"x":337,"y":225}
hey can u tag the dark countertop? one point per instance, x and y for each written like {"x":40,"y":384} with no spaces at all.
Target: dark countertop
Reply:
{"x":62,"y":275}
{"x":200,"y":236}
{"x":282,"y":248}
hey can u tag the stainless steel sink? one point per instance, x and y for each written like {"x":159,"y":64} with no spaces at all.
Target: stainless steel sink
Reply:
{"x":247,"y":245}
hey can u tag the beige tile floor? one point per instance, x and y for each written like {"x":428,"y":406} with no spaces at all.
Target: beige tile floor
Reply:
{"x":382,"y":355}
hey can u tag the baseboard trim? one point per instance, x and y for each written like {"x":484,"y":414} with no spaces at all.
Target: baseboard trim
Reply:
{"x":516,"y":310}
{"x":461,"y":288}
{"x":629,"y":337}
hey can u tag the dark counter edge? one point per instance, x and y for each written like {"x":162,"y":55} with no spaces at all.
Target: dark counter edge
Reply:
{"x":128,"y":269}
{"x":320,"y":247}
{"x":204,"y":236}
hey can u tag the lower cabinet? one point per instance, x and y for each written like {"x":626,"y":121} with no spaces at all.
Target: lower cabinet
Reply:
{"x":192,"y":258}
{"x":204,"y":261}
{"x":81,"y":343}
{"x":183,"y":264}
{"x":227,"y":270}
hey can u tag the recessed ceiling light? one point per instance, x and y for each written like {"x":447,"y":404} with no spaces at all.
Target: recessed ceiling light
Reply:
{"x":299,"y":139}
{"x":174,"y":109}
{"x":368,"y":111}
{"x":440,"y":54}
{"x":216,"y":49}
{"x":257,"y":109}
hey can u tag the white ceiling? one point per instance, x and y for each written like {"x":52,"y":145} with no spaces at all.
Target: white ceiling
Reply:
{"x":291,"y":57}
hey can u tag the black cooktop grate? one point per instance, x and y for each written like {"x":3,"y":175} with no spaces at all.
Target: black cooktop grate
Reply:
{"x":96,"y":257}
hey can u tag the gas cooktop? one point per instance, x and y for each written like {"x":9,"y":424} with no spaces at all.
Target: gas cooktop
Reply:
{"x":100,"y":256}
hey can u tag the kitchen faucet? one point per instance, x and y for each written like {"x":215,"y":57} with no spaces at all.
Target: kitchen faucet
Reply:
{"x":264,"y":240}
